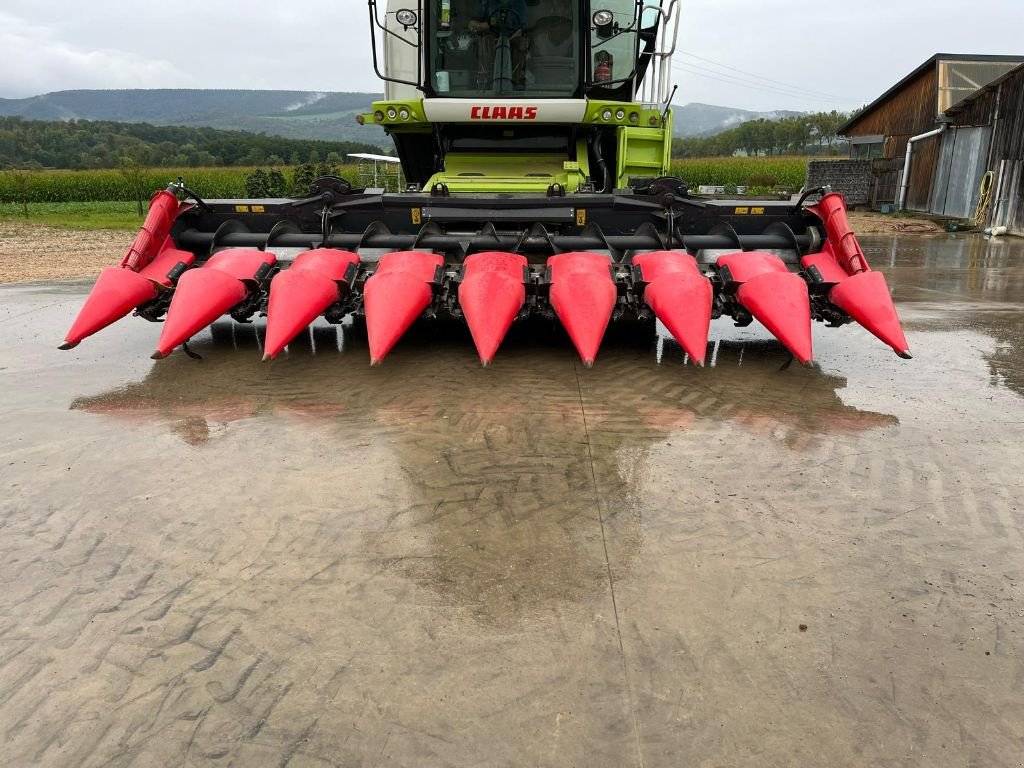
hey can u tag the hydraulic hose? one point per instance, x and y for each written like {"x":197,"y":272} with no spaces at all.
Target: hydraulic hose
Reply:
{"x":606,"y":180}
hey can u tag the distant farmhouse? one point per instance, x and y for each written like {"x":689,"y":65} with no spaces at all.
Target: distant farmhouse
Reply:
{"x":933,"y":137}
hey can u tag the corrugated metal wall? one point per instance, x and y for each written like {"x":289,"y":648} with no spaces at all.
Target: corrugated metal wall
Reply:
{"x":1008,"y":155}
{"x":961,"y":167}
{"x":1000,"y":107}
{"x":1008,"y":204}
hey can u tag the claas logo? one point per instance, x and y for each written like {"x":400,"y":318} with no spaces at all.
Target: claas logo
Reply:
{"x":504,"y":113}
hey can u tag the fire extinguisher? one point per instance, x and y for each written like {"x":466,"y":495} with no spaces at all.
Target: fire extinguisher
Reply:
{"x":603,"y":68}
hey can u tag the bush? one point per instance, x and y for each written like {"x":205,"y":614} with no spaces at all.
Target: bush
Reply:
{"x":263,"y":184}
{"x":277,"y":184}
{"x":303,"y":179}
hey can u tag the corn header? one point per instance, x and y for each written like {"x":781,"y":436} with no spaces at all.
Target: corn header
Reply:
{"x":535,"y":138}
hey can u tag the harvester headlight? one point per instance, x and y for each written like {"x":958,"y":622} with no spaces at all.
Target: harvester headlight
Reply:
{"x":406,"y":18}
{"x":620,"y":115}
{"x":378,"y":116}
{"x":392,"y":113}
{"x":606,"y":115}
{"x":603,"y":19}
{"x":634,"y":117}
{"x":404,"y":114}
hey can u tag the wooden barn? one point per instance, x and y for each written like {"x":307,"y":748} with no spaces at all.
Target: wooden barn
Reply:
{"x":911,"y":115}
{"x":998,"y":111}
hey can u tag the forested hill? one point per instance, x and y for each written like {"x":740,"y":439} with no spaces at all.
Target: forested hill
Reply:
{"x":291,"y":114}
{"x":85,"y":144}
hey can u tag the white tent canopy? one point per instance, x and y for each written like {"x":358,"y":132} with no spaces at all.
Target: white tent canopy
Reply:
{"x":374,"y":158}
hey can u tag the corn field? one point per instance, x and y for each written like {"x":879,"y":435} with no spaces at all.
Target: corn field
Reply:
{"x":113,"y":185}
{"x":788,"y":171}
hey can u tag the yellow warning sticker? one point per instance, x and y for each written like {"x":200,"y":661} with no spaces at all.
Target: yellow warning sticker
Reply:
{"x":742,"y":211}
{"x":258,"y":209}
{"x":581,"y":217}
{"x":757,"y":211}
{"x":417,"y":215}
{"x":241,"y":209}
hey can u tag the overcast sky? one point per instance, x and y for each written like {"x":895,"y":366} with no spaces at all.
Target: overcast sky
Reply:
{"x":782,"y":54}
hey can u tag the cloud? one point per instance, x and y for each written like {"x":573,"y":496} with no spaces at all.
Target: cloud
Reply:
{"x":763,"y":56}
{"x":37,"y":61}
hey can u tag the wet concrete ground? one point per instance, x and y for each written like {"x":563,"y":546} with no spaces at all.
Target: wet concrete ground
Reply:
{"x":223,"y":563}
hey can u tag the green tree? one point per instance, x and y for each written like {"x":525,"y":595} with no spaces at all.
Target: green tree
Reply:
{"x":826,"y":126}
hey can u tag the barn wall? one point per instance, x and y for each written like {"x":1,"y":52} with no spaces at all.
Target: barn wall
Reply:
{"x":909,"y":113}
{"x":922,"y":173}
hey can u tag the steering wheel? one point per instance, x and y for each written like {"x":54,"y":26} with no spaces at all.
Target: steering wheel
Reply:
{"x":505,"y":22}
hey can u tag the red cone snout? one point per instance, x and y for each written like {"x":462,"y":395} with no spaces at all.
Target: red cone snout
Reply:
{"x":301,"y":293}
{"x":205,"y":294}
{"x":865,"y":298}
{"x":491,"y":295}
{"x":859,"y":292}
{"x":119,"y":291}
{"x":774,"y":296}
{"x":680,"y":296}
{"x":399,"y":291}
{"x":583,"y":295}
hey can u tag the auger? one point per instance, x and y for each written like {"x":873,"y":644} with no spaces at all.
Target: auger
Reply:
{"x":535,"y":138}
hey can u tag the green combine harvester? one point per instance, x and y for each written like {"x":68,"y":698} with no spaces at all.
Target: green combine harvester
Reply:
{"x":535,"y":139}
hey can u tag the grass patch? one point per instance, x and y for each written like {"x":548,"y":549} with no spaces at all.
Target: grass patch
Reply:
{"x":76,"y":215}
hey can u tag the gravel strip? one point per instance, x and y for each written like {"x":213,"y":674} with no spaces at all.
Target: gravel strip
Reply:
{"x":37,"y":252}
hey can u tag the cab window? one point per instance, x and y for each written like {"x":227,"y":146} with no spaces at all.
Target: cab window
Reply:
{"x":504,"y":48}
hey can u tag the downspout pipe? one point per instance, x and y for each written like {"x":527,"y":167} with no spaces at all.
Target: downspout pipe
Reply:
{"x":905,"y":185}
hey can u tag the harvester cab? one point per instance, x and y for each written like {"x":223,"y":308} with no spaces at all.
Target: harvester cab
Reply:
{"x":522,"y":96}
{"x":535,"y":139}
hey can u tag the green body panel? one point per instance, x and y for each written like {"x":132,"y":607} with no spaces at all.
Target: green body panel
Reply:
{"x":508,"y":173}
{"x":380,"y":110}
{"x":644,"y":144}
{"x":621,"y":113}
{"x":644,"y":152}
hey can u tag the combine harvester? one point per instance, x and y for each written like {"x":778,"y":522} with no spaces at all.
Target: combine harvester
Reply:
{"x":535,"y":140}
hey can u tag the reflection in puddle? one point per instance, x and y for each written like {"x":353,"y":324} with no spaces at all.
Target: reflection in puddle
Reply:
{"x":649,"y":390}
